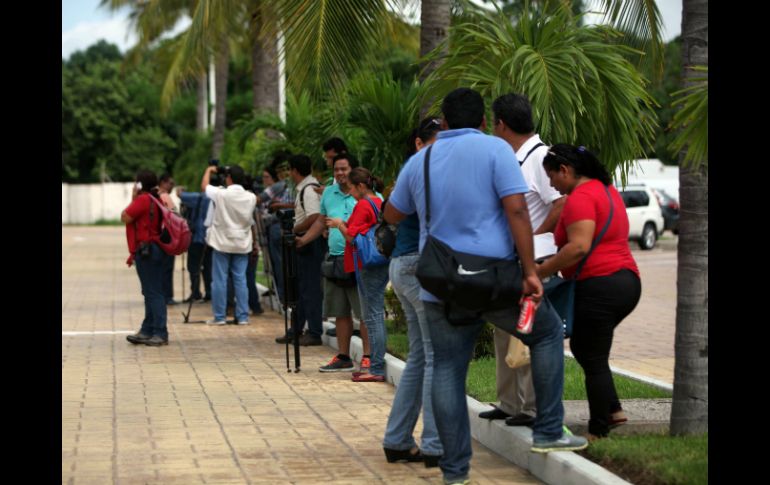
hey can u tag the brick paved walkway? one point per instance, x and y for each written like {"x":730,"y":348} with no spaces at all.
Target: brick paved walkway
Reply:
{"x":644,"y":341}
{"x":216,"y":405}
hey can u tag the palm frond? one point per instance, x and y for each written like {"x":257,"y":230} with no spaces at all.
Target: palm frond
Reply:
{"x":642,"y":24}
{"x":326,"y":39}
{"x":581,"y":87}
{"x":692,"y":120}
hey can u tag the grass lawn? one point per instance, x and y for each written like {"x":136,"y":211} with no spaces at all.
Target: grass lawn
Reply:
{"x":653,"y":459}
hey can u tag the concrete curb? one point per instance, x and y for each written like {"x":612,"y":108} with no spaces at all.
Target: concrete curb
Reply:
{"x":511,"y":443}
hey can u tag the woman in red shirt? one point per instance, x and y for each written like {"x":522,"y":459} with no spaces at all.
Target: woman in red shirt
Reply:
{"x":608,"y":286}
{"x":142,"y":221}
{"x":372,"y":281}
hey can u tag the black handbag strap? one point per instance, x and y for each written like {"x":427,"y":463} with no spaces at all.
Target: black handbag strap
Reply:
{"x":426,"y":176}
{"x":599,"y":237}
{"x":521,"y":162}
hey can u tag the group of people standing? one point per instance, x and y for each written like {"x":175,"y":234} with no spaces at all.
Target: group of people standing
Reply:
{"x":488,"y":196}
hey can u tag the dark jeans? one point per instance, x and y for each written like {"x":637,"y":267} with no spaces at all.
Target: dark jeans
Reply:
{"x":309,"y":309}
{"x":274,"y":248}
{"x":168,"y":276}
{"x":150,"y":271}
{"x":196,"y":267}
{"x":601,"y":303}
{"x":452,"y":352}
{"x":251,"y":284}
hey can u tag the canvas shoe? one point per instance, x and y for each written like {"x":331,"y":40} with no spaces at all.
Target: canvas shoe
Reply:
{"x":337,"y":365}
{"x":366,"y":377}
{"x":215,"y":322}
{"x":565,"y":443}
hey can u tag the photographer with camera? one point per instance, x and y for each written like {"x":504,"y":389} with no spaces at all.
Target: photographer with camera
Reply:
{"x":142,"y":221}
{"x":275,"y":196}
{"x":231,"y":239}
{"x":196,"y":208}
{"x":309,"y":257}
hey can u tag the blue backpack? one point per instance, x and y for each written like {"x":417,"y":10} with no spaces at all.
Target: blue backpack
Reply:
{"x":366,"y":246}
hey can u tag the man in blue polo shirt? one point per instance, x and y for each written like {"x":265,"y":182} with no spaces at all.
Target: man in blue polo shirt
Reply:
{"x":481,"y":221}
{"x":341,"y":300}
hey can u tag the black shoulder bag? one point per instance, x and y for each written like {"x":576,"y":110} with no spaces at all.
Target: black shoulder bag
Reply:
{"x":474,"y":283}
{"x":561,"y":292}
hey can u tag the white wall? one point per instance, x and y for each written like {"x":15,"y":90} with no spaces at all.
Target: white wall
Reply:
{"x":87,"y":203}
{"x":653,"y":173}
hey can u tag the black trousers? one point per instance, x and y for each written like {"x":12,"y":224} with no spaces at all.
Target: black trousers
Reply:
{"x":601,"y":303}
{"x":197,"y":267}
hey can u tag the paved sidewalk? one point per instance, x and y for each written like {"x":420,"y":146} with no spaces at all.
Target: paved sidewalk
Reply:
{"x":216,"y":405}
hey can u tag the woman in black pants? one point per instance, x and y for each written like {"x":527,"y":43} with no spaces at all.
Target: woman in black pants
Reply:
{"x":608,"y":286}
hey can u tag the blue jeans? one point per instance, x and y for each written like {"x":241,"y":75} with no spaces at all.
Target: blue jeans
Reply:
{"x":235,"y":266}
{"x":150,"y":271}
{"x":414,"y":388}
{"x":309,"y":306}
{"x":453,"y":350}
{"x":371,"y":291}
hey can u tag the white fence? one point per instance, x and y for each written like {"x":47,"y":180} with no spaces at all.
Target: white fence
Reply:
{"x":88,"y":203}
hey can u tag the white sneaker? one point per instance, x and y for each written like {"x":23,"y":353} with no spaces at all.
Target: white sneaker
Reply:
{"x":215,"y":322}
{"x":243,"y":323}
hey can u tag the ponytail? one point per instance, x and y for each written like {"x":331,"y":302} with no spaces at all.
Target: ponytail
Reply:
{"x":580,"y":159}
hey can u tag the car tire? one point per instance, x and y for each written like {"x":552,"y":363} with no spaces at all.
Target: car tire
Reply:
{"x":649,"y":236}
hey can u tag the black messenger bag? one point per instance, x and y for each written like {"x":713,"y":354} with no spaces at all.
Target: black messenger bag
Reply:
{"x":475,"y":283}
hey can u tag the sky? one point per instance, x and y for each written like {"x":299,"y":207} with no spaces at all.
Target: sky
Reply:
{"x":83,"y":23}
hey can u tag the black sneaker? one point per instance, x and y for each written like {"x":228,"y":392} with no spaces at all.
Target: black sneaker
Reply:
{"x":337,"y":365}
{"x":308,"y":340}
{"x":192,"y":298}
{"x":138,"y":338}
{"x":156,"y":341}
{"x":332,"y":332}
{"x":286,"y":339}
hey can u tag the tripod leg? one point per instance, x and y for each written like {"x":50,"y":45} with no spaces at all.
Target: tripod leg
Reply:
{"x":200,"y":272}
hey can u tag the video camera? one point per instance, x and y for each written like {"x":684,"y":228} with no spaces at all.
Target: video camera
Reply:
{"x":217,"y":179}
{"x":286,"y":218}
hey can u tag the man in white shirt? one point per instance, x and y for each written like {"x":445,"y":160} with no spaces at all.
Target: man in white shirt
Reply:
{"x":513,"y":123}
{"x":307,"y":208}
{"x":231,"y":240}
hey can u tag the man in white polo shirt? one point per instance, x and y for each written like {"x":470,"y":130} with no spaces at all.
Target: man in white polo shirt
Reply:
{"x":231,"y":241}
{"x":513,"y":123}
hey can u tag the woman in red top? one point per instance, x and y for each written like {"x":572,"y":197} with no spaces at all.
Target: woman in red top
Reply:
{"x":372,"y":281}
{"x":142,"y":221}
{"x":608,"y":287}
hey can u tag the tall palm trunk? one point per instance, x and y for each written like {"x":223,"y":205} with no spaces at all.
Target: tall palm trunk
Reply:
{"x":264,"y":71}
{"x":690,"y":412}
{"x":221,"y":66}
{"x":435,"y":17}
{"x":202,"y":106}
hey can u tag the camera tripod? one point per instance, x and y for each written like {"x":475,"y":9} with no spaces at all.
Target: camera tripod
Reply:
{"x":291,"y":294}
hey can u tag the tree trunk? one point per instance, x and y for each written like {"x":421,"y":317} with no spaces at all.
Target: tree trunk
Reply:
{"x":435,"y":17}
{"x":222,"y":63}
{"x":264,"y":70}
{"x":202,"y":112}
{"x":689,"y":412}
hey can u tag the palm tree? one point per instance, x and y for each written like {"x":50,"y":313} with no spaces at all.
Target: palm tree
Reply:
{"x":581,"y":86}
{"x":150,"y":20}
{"x":689,"y":412}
